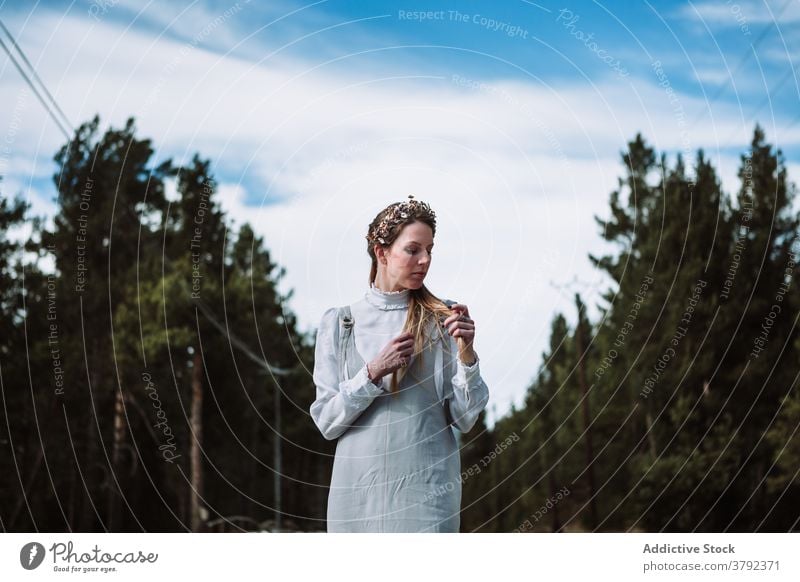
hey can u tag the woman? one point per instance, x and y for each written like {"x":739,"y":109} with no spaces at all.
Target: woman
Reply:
{"x":393,"y":372}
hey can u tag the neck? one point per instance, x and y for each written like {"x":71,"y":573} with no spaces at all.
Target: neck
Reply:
{"x":386,"y":286}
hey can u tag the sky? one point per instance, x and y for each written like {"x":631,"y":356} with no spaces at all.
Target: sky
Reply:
{"x":508,"y":118}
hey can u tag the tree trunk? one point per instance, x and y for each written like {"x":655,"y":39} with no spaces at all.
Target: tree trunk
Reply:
{"x":119,"y":435}
{"x":651,"y":439}
{"x":22,"y":500}
{"x":196,"y":420}
{"x":278,"y":461}
{"x":579,"y":340}
{"x":556,"y":520}
{"x":89,"y":518}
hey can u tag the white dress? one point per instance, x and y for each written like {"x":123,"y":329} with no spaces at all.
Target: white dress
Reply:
{"x":397,"y":465}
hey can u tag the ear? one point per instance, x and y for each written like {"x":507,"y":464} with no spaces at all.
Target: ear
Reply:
{"x":380,"y":254}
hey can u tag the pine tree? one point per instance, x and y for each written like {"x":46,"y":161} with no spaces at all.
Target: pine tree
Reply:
{"x":163,"y":392}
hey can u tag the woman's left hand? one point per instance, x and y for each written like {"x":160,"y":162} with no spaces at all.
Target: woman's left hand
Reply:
{"x":461,"y":326}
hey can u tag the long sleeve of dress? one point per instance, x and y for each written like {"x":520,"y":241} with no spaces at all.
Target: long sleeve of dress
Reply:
{"x":470,"y":392}
{"x":337,"y":404}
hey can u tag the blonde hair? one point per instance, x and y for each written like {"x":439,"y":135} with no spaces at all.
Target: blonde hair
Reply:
{"x":424,"y":308}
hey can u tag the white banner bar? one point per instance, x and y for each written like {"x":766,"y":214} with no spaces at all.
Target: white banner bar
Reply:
{"x":390,"y":557}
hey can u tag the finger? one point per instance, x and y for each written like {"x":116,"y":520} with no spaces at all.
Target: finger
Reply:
{"x":457,"y":320}
{"x":464,"y":328}
{"x":461,"y":325}
{"x":450,"y":319}
{"x":464,"y":334}
{"x":401,"y":353}
{"x":403,"y":350}
{"x":460,"y":308}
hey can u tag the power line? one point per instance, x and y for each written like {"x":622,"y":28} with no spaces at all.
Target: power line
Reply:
{"x":204,"y":309}
{"x":793,"y":122}
{"x":235,"y":340}
{"x":226,"y":331}
{"x":207,"y":312}
{"x":776,"y":88}
{"x":35,"y":75}
{"x":745,"y":57}
{"x":41,"y":99}
{"x":770,"y":94}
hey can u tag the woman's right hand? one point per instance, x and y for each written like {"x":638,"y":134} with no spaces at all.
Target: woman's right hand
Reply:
{"x":394,"y":355}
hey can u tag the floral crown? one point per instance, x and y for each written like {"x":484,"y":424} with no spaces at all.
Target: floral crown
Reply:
{"x":398,"y":214}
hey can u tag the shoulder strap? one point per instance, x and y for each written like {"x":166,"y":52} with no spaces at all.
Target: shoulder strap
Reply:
{"x":346,"y":316}
{"x":346,"y":323}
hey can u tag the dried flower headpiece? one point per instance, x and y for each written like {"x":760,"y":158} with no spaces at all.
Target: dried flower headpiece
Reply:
{"x":398,"y":214}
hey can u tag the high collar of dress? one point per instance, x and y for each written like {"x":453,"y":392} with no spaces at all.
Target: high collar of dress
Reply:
{"x":387,"y":300}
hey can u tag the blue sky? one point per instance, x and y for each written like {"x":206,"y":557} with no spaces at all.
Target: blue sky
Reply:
{"x":706,"y":46}
{"x":508,"y":117}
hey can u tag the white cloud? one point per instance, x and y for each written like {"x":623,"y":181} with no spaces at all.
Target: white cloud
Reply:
{"x":713,"y":77}
{"x":742,"y":12}
{"x":515,"y":171}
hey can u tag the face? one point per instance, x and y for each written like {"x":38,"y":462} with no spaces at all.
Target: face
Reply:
{"x":407,"y":259}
